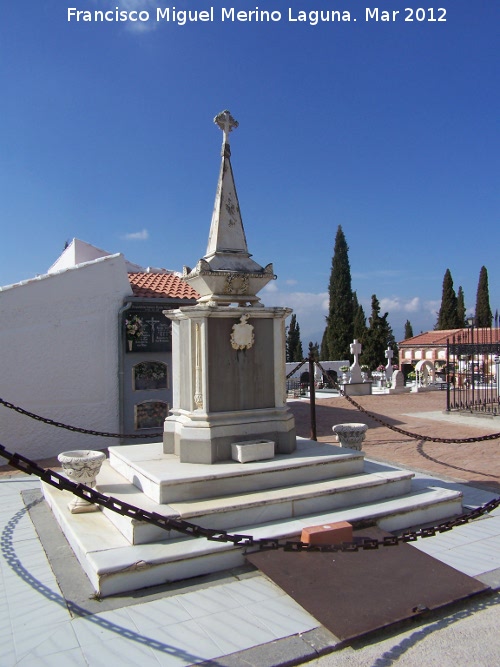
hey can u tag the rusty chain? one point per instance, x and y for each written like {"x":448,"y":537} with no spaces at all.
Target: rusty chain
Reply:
{"x":87,"y":493}
{"x":186,"y":528}
{"x":296,"y":369}
{"x":415,"y":436}
{"x":105,"y":434}
{"x":76,"y":429}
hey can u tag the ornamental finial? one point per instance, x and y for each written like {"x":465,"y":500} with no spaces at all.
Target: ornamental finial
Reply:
{"x":227,"y":124}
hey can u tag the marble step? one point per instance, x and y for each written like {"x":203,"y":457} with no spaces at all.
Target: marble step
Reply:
{"x":164,"y":479}
{"x":256,"y":507}
{"x":114,"y":566}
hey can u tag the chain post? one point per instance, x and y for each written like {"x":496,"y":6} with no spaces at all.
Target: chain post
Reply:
{"x":312,"y":394}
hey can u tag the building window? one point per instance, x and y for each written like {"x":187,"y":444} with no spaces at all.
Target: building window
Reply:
{"x":150,"y":414}
{"x":150,"y":375}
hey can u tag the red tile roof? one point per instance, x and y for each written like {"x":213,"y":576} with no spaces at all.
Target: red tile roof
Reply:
{"x":440,"y":337}
{"x":160,"y":285}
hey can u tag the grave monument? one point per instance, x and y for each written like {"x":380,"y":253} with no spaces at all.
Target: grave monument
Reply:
{"x":229,"y":350}
{"x":229,"y":410}
{"x":356,"y":385}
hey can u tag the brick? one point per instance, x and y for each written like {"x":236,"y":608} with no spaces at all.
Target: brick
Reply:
{"x":330,"y":533}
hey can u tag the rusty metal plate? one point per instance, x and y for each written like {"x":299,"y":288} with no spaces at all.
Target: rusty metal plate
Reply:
{"x":354,"y":593}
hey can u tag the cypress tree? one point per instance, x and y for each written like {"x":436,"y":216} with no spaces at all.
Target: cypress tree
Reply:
{"x":447,"y":316}
{"x":484,"y":315}
{"x":359,"y":319}
{"x":293,"y":342}
{"x":461,"y":311}
{"x":378,"y":338}
{"x":408,"y":330}
{"x":339,"y":327}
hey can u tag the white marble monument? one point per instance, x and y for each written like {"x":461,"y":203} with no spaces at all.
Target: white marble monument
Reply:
{"x":229,"y":409}
{"x":228,"y":350}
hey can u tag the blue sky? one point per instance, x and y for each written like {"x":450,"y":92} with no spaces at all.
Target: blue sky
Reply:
{"x":389,"y":129}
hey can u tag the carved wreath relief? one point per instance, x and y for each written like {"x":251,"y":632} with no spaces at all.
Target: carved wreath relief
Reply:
{"x":242,"y":337}
{"x":236,"y":283}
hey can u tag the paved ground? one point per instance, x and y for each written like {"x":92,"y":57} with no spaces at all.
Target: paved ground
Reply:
{"x":241,"y":618}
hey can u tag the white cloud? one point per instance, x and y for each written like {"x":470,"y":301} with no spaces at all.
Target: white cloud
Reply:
{"x":310,"y":308}
{"x":143,"y":235}
{"x":397,"y":304}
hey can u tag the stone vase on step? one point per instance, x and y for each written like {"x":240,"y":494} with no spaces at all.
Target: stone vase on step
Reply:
{"x":82,"y":466}
{"x":350,"y":435}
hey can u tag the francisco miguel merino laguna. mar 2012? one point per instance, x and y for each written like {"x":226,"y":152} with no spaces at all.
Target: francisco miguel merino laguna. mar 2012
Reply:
{"x":230,"y":15}
{"x":211,"y":14}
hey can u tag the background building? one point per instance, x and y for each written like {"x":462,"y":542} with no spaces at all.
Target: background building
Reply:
{"x":66,"y":354}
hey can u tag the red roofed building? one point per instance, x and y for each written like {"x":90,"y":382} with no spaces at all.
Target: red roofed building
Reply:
{"x":146,"y":353}
{"x":432,"y":345}
{"x":160,"y":285}
{"x":472,"y":354}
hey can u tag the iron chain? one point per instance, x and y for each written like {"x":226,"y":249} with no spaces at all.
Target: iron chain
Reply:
{"x":168,"y":523}
{"x":427,"y":438}
{"x":106,"y":434}
{"x":76,"y":429}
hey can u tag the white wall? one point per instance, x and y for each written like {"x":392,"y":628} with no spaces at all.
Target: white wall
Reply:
{"x":59,"y":356}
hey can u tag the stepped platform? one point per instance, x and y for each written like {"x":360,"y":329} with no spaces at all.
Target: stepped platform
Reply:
{"x":318,"y":483}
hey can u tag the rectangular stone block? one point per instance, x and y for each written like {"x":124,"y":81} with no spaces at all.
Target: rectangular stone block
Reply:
{"x":331,"y":533}
{"x":253,"y":450}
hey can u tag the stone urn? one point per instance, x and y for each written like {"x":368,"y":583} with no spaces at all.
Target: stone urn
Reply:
{"x":350,"y":435}
{"x":82,"y":466}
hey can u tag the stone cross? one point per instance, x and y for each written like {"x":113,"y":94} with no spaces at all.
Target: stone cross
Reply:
{"x":227,"y":124}
{"x":355,"y":348}
{"x":388,"y":369}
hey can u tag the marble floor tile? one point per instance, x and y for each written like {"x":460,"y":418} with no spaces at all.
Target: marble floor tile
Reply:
{"x":158,"y":613}
{"x":253,"y":589}
{"x":183,"y":644}
{"x":208,"y":601}
{"x":119,"y":651}
{"x":236,"y":630}
{"x":283,"y":616}
{"x":71,"y":658}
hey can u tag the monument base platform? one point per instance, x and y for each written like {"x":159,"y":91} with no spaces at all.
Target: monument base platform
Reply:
{"x":276,"y":499}
{"x":199,"y":437}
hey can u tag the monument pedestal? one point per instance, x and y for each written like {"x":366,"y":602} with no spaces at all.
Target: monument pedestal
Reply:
{"x":229,"y":382}
{"x":198,"y":437}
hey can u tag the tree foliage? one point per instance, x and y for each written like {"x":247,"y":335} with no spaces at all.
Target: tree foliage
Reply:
{"x":483,"y":316}
{"x":293,"y":342}
{"x":408,"y":330}
{"x":359,"y":320}
{"x":461,"y":310}
{"x":378,"y":338}
{"x":339,"y":329}
{"x":448,"y":313}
